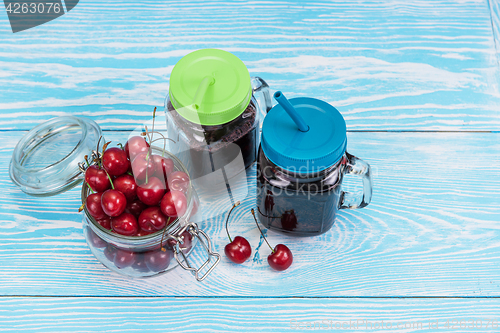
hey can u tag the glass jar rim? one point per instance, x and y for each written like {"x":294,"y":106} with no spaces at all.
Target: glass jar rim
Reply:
{"x":48,"y":180}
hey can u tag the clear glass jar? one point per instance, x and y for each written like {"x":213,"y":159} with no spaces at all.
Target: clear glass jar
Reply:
{"x":46,"y":162}
{"x":141,"y":256}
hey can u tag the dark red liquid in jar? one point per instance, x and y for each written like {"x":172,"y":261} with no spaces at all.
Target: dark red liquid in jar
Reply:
{"x":214,"y":147}
{"x":305,"y":206}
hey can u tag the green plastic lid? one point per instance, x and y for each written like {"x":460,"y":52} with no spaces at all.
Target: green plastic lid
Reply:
{"x":210,"y":87}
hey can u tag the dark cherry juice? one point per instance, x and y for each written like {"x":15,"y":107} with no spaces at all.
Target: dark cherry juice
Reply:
{"x":302,"y":205}
{"x":215,"y":147}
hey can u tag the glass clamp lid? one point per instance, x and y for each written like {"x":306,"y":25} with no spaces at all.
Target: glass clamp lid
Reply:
{"x":46,"y":160}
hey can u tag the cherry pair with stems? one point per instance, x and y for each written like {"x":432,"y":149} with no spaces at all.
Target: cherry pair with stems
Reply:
{"x":239,"y":250}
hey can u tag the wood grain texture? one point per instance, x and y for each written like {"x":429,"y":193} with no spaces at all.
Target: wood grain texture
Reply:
{"x":432,"y":229}
{"x":245,"y":315}
{"x":387,"y":65}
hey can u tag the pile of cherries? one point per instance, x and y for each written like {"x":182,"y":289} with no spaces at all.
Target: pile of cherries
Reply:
{"x":135,"y":193}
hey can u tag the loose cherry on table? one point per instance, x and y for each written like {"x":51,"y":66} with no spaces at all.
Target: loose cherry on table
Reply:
{"x":113,"y":202}
{"x":136,"y":145}
{"x":97,"y":179}
{"x":281,"y":257}
{"x":127,"y":185}
{"x":152,"y":192}
{"x":238,"y":250}
{"x":115,"y":162}
{"x":173,"y":203}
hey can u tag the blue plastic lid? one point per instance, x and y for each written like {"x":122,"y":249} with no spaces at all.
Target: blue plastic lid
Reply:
{"x":314,"y":150}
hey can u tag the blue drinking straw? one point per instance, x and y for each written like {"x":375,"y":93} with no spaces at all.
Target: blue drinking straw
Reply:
{"x":297,"y":118}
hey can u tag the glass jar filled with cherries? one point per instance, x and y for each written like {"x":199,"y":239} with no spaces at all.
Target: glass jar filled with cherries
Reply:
{"x":137,"y":199}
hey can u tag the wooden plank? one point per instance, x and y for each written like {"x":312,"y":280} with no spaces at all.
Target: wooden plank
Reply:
{"x":387,"y":65}
{"x":432,"y":229}
{"x":495,"y":23}
{"x":247,"y":315}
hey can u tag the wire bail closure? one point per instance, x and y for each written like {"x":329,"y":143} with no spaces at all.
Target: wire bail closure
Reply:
{"x":193,"y":229}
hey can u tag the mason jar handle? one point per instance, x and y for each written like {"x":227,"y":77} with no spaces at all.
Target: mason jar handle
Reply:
{"x":260,"y":87}
{"x":203,"y":238}
{"x":356,"y":166}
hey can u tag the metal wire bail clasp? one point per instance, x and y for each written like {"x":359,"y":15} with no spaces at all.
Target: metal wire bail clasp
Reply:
{"x":202,"y":237}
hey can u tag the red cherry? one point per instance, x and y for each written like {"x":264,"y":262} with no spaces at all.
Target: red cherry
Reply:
{"x":105,"y":222}
{"x":135,"y":207}
{"x":140,"y":264}
{"x":158,"y":261}
{"x":173,"y":204}
{"x":289,"y":220}
{"x":141,"y":233}
{"x":134,"y":146}
{"x":123,"y":258}
{"x":152,"y":192}
{"x":127,"y":185}
{"x":125,"y":224}
{"x":113,"y":202}
{"x":187,"y":242}
{"x":239,"y":250}
{"x":152,"y":219}
{"x":93,"y":205}
{"x":97,"y":179}
{"x":141,"y":165}
{"x":178,"y":181}
{"x":115,"y":161}
{"x":281,"y":258}
{"x":163,"y":166}
{"x":110,"y":252}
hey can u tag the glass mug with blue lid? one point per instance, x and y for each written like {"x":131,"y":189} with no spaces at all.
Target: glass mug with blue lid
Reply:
{"x":301,"y":163}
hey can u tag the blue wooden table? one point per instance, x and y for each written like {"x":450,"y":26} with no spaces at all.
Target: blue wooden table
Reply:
{"x":418,"y":85}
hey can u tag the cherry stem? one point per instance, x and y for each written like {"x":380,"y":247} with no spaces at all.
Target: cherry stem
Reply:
{"x":270,"y":217}
{"x":121,"y":146}
{"x":153,"y":127}
{"x":110,"y":180}
{"x":87,"y":160}
{"x":227,"y":220}
{"x":253,"y":213}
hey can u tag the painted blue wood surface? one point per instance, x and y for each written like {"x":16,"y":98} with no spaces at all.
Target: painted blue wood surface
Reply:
{"x":432,"y":228}
{"x":385,"y":64}
{"x":246,"y":315}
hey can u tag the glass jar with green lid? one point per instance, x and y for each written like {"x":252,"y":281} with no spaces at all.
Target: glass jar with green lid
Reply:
{"x":213,"y":111}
